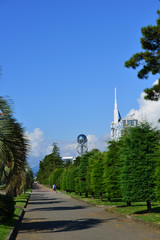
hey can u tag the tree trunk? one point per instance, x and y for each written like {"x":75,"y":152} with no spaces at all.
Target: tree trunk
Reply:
{"x":92,"y":195}
{"x":101,"y":197}
{"x":86,"y":195}
{"x":149,"y":206}
{"x":128,"y":204}
{"x":109,"y":199}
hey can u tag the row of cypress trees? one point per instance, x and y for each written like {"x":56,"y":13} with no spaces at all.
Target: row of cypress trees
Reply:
{"x":95,"y":173}
{"x":129,"y":169}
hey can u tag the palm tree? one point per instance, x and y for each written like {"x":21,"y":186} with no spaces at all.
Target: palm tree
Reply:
{"x":13,"y":150}
{"x":18,"y":146}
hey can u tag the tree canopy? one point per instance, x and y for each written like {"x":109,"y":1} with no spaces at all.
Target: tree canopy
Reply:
{"x":149,"y":59}
{"x":50,"y":163}
{"x":112,"y":170}
{"x":139,"y":154}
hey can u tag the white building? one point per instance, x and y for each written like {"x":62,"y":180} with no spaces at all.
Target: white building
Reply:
{"x":119,"y":124}
{"x":116,"y":125}
{"x":67,"y":159}
{"x":129,"y":121}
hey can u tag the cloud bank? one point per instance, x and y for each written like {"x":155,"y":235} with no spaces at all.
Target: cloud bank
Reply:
{"x":148,"y":111}
{"x":40,"y":146}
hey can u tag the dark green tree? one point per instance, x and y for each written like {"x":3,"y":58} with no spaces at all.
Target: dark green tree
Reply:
{"x":90,"y":168}
{"x":63,"y":178}
{"x":77,"y":181}
{"x":45,"y":169}
{"x":50,"y":163}
{"x":77,"y":161}
{"x":139,"y":156}
{"x":157,"y":177}
{"x":56,"y":160}
{"x":149,"y":59}
{"x":69,"y":179}
{"x":112,"y":169}
{"x":54,"y":177}
{"x":97,"y":173}
{"x":68,"y":163}
{"x":83,"y":173}
{"x":41,"y":172}
{"x":29,"y":179}
{"x":72,"y":178}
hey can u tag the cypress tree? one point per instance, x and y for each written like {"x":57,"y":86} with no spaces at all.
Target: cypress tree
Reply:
{"x":50,"y":162}
{"x":112,"y":168}
{"x":56,"y":160}
{"x":56,"y":177}
{"x":97,"y":173}
{"x":68,"y":176}
{"x":89,"y":171}
{"x":63,"y":180}
{"x":77,"y":181}
{"x":157,"y":176}
{"x":139,"y":156}
{"x":83,"y":173}
{"x":71,"y":178}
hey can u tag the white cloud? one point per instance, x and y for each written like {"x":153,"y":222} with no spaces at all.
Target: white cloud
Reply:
{"x":99,"y":143}
{"x":39,"y":146}
{"x":148,"y":110}
{"x":68,"y":148}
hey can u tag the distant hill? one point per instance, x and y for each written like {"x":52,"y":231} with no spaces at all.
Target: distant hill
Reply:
{"x":35,"y":170}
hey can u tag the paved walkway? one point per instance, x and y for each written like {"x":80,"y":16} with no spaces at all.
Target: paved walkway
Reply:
{"x":51,"y":215}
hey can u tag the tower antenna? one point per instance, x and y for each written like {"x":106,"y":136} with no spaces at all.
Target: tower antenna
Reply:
{"x":115,"y":109}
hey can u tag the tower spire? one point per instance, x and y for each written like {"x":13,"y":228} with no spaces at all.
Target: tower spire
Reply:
{"x":115,"y":109}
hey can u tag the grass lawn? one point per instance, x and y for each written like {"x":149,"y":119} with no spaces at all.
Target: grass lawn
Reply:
{"x":20,"y":202}
{"x":4,"y":231}
{"x":136,"y":210}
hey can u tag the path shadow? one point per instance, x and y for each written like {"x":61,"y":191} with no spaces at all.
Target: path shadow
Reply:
{"x":35,"y":197}
{"x":57,"y":208}
{"x":39,"y":198}
{"x":45,"y":202}
{"x":61,"y":226}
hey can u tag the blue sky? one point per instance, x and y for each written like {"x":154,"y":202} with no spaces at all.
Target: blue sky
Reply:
{"x":62,"y":59}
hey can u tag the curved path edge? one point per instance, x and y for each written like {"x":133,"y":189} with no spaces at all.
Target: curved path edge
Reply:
{"x":13,"y":231}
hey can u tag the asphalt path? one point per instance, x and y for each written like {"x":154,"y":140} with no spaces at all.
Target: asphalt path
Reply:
{"x":51,"y":215}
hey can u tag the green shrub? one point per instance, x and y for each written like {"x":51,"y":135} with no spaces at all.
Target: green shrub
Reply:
{"x":6,"y":207}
